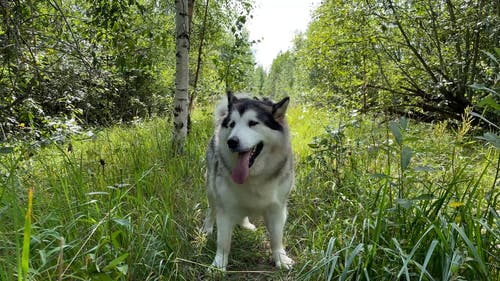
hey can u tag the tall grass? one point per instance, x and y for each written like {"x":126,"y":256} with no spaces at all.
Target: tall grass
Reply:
{"x":413,"y":203}
{"x":375,"y":199}
{"x":105,"y":208}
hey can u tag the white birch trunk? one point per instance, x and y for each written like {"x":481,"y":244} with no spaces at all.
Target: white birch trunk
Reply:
{"x":181,"y":98}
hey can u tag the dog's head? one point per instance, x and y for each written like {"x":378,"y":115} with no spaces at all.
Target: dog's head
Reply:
{"x":250,"y":128}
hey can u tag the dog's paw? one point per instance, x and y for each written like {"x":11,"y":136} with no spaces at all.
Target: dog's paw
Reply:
{"x":247,"y":224}
{"x":219,"y":264}
{"x":215,"y":273}
{"x":282,"y":260}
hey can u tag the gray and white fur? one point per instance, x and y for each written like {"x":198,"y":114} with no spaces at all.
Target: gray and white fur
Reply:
{"x":249,"y":172}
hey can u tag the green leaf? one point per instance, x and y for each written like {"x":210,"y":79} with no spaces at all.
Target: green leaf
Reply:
{"x":406,"y":204}
{"x":481,"y":87}
{"x":313,"y":145}
{"x":123,"y":222}
{"x":492,"y":139}
{"x":403,"y":123}
{"x":123,"y":269}
{"x":433,"y":245}
{"x":396,"y":131}
{"x":403,"y":255}
{"x":472,"y":249}
{"x":492,"y":56}
{"x":350,"y":259}
{"x":25,"y":256}
{"x":114,"y":240}
{"x":483,"y":118}
{"x":113,"y":264}
{"x":406,"y":154}
{"x":489,"y":101}
{"x":497,"y":51}
{"x":425,"y":196}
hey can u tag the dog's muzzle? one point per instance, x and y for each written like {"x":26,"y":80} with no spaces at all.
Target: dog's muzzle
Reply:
{"x":245,"y":159}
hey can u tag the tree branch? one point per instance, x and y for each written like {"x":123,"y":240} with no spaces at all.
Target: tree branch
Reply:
{"x":410,"y":45}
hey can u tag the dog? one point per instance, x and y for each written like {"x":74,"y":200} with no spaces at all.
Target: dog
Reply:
{"x":249,"y":172}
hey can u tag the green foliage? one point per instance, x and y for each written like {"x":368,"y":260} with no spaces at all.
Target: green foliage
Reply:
{"x":93,"y":62}
{"x":82,"y":62}
{"x":233,"y":61}
{"x":489,"y":96}
{"x":395,"y":212}
{"x":257,"y":83}
{"x":281,"y":78}
{"x":339,"y":61}
{"x":409,"y":58}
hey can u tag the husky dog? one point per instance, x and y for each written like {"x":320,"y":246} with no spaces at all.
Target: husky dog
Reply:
{"x":249,"y":172}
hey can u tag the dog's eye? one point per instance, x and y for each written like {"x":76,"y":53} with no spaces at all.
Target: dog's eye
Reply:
{"x":231,"y":125}
{"x":252,"y":123}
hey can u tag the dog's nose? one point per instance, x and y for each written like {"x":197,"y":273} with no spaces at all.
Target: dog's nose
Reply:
{"x":233,"y":143}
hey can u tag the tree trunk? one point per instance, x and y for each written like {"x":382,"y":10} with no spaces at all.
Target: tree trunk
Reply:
{"x":181,"y":99}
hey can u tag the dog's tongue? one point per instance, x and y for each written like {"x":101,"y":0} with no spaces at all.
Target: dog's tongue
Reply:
{"x":241,"y":169}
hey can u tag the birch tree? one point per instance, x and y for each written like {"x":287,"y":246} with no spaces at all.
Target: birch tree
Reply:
{"x":181,"y":98}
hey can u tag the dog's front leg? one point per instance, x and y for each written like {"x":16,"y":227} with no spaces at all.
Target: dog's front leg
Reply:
{"x":208,"y":224}
{"x":225,"y":225}
{"x":275,"y":219}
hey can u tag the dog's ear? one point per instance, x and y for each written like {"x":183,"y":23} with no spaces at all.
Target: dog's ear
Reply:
{"x":231,"y":98}
{"x":279,"y":109}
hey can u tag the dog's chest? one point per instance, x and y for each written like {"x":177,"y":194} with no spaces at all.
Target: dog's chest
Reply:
{"x":257,"y":198}
{"x":263,"y":193}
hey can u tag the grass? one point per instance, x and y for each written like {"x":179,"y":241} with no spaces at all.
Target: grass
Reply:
{"x":375,"y":199}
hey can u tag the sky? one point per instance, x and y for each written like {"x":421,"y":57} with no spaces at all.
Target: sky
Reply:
{"x":275,"y":23}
